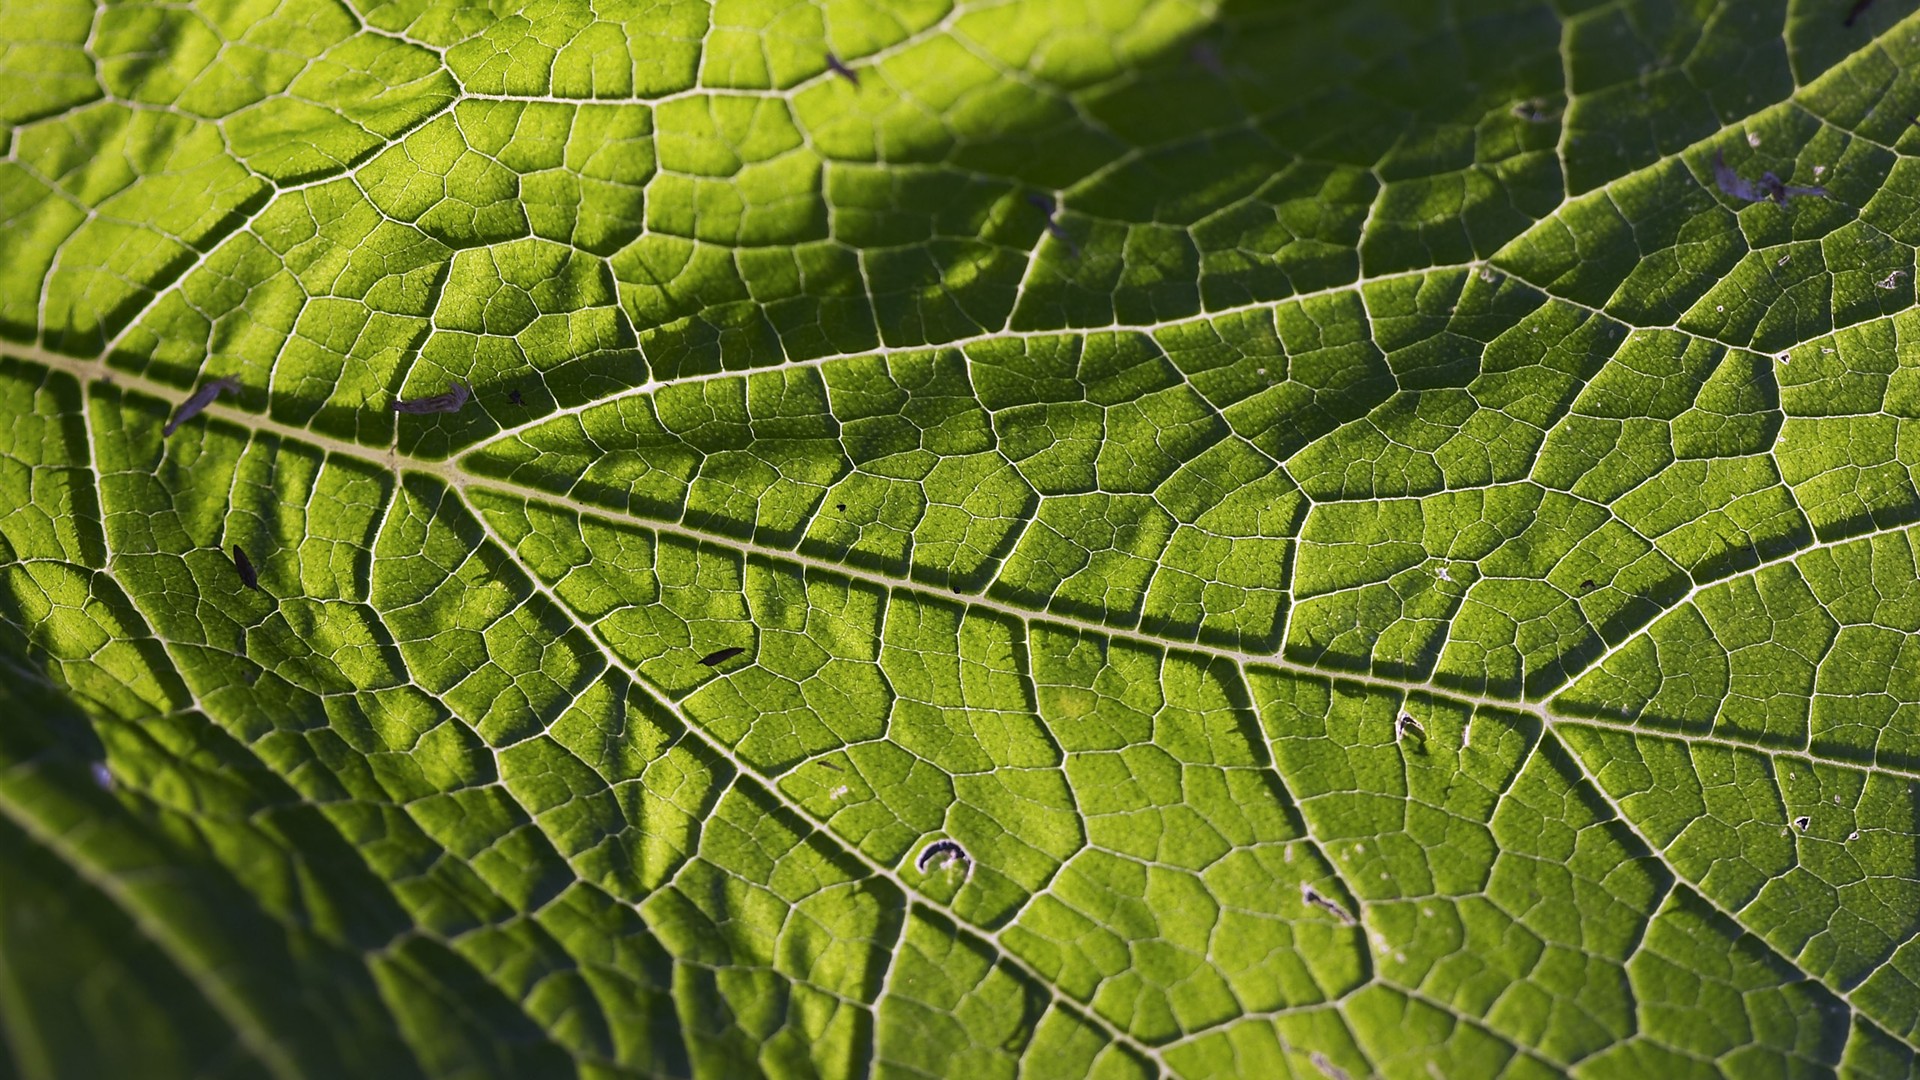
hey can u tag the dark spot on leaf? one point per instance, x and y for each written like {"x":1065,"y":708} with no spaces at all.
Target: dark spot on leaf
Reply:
{"x":252,"y":676}
{"x":1588,"y":585}
{"x":245,"y":565}
{"x":1802,"y":822}
{"x":721,"y":656}
{"x":514,"y":396}
{"x":831,"y":765}
{"x":842,"y":70}
{"x":1207,"y":58}
{"x":949,"y":848}
{"x":840,"y":506}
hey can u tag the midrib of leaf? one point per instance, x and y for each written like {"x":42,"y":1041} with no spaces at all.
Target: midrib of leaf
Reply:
{"x":448,"y":473}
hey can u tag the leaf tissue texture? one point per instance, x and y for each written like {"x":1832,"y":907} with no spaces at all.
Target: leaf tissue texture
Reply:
{"x":1005,"y":539}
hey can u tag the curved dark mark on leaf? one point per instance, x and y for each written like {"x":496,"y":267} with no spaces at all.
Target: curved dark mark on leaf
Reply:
{"x":450,"y":402}
{"x":834,"y":64}
{"x":1858,"y":9}
{"x":1313,"y":897}
{"x":831,"y":765}
{"x":248,"y":576}
{"x":201,"y":398}
{"x":1768,"y":187}
{"x":1327,"y":1067}
{"x":721,"y":656}
{"x":949,"y":848}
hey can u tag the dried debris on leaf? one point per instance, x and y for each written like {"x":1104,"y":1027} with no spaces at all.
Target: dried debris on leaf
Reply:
{"x":1326,"y":1066}
{"x":948,"y":851}
{"x":1406,"y":724}
{"x":721,"y":656}
{"x":450,"y":402}
{"x":1769,"y":188}
{"x":198,"y":403}
{"x":1313,"y":897}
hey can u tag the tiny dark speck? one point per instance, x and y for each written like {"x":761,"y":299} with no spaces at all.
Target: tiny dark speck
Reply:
{"x":840,"y":506}
{"x":514,"y":396}
{"x":1587,"y":584}
{"x":1801,"y":823}
{"x":245,"y":565}
{"x":721,"y":656}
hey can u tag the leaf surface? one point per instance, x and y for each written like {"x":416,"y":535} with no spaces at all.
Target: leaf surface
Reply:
{"x":1009,"y":539}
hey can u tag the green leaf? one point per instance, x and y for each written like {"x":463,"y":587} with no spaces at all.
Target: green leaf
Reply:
{"x":1117,"y":539}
